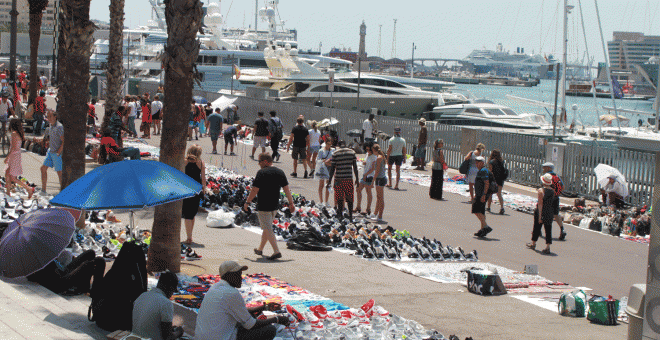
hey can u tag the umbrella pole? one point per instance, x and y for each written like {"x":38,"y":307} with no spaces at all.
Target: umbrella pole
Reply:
{"x":130,"y":229}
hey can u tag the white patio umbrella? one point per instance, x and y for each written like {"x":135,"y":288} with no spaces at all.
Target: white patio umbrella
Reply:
{"x":603,"y":172}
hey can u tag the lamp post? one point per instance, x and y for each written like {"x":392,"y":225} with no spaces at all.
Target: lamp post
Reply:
{"x":12,"y":42}
{"x":412,"y":62}
{"x":363,"y":33}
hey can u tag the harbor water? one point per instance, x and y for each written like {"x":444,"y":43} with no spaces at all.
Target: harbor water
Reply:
{"x":587,"y":113}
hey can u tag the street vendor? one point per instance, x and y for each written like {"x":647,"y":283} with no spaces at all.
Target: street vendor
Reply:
{"x":613,"y":192}
{"x":224,"y":316}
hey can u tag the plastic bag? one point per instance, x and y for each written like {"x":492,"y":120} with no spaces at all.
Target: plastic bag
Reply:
{"x":603,"y":310}
{"x":573,"y":304}
{"x":220,"y":219}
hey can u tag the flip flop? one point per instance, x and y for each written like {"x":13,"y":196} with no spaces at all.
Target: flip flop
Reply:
{"x":531,"y":246}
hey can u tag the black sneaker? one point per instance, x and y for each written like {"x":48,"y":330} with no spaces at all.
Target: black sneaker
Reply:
{"x":293,"y":174}
{"x":487,"y":230}
{"x":480,"y":233}
{"x":562,"y":236}
{"x":305,"y":176}
{"x":311,"y":174}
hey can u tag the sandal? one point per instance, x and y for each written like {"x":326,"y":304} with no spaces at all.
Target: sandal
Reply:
{"x":531,"y":246}
{"x":258,"y":252}
{"x":275,"y":256}
{"x":545,"y":251}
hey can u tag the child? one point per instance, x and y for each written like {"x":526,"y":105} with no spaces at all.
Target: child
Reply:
{"x":13,"y":166}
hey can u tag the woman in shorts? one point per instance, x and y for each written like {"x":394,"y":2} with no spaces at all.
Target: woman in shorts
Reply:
{"x":314,"y":146}
{"x":366,"y":181}
{"x":323,"y":173}
{"x":380,"y":180}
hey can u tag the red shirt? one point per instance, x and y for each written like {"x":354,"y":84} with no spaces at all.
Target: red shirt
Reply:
{"x":40,"y":105}
{"x":146,"y":113}
{"x":110,"y":146}
{"x":91,"y":111}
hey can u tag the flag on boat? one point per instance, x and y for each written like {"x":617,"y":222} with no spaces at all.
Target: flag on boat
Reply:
{"x":616,"y":89}
{"x":237,"y":71}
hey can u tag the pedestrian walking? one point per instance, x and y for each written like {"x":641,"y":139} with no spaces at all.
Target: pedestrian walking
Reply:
{"x":314,"y":147}
{"x":91,"y":116}
{"x":420,"y":154}
{"x":13,"y":161}
{"x":39,"y":112}
{"x":260,"y":133}
{"x":324,"y":161}
{"x":496,"y":167}
{"x":438,"y":170}
{"x":300,"y":139}
{"x":230,"y":134}
{"x":214,"y":127}
{"x":380,"y":180}
{"x":366,"y":181}
{"x":275,"y":129}
{"x":191,"y":120}
{"x":481,"y":186}
{"x":132,"y":114}
{"x":266,"y":188}
{"x":558,"y":187}
{"x":543,"y":214}
{"x":145,"y":127}
{"x":156,"y":113}
{"x":343,"y":161}
{"x":368,"y":130}
{"x":196,"y":169}
{"x":206,"y":112}
{"x":396,"y":153}
{"x":472,"y":173}
{"x":55,"y":136}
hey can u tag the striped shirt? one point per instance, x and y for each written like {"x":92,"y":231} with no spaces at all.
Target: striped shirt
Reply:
{"x":343,"y":160}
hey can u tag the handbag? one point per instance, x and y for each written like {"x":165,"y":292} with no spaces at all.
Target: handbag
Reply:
{"x":444,"y":166}
{"x":465,"y":167}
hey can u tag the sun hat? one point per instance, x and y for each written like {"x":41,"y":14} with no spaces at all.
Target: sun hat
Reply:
{"x":612,"y":176}
{"x":231,"y":267}
{"x":546,"y":179}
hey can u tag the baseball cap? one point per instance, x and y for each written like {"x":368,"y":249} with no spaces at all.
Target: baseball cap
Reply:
{"x":548,"y":165}
{"x":480,"y":159}
{"x":231,"y":267}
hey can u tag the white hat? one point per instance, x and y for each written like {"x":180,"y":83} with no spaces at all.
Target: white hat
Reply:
{"x":612,"y":176}
{"x":548,"y":165}
{"x":480,"y":159}
{"x":546,"y":179}
{"x":231,"y":267}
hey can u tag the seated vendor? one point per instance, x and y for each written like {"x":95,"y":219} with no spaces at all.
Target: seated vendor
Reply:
{"x":153,"y":311}
{"x":110,"y":148}
{"x":223,"y":314}
{"x":613,"y":192}
{"x":70,"y":275}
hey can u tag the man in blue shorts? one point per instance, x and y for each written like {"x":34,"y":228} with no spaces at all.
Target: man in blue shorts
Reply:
{"x":55,"y":136}
{"x":214,"y":126}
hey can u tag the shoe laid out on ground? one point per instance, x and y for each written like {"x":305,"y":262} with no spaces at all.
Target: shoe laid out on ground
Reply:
{"x":191,"y":255}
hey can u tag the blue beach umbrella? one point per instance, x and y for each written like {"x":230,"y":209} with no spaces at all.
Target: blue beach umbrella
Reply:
{"x":34,"y":240}
{"x":199,"y":100}
{"x":127,"y":185}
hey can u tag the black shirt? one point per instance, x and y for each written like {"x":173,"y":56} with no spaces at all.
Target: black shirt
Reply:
{"x":269,"y":181}
{"x":261,"y":127}
{"x":300,"y":134}
{"x":497,"y":168}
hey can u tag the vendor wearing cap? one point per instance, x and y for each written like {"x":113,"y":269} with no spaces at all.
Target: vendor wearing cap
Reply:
{"x":481,"y":185}
{"x":558,"y":187}
{"x":613,"y":192}
{"x":223,"y":315}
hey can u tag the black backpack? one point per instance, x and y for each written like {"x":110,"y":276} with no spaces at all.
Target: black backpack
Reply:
{"x":112,"y":302}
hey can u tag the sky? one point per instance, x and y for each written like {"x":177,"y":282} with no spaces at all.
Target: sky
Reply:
{"x":438,"y":28}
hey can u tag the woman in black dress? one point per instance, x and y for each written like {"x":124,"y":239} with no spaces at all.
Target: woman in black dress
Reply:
{"x":544,"y":214}
{"x":196,"y":170}
{"x":438,"y":170}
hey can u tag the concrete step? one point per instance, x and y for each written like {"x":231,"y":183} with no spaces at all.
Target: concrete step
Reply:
{"x":30,"y":311}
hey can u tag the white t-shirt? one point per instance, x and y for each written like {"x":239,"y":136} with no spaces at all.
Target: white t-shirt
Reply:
{"x":156,"y":106}
{"x":314,"y":137}
{"x":149,"y":310}
{"x":368,"y":129}
{"x":222,"y":309}
{"x":4,"y":108}
{"x":370,"y":161}
{"x":44,"y":81}
{"x":132,"y":107}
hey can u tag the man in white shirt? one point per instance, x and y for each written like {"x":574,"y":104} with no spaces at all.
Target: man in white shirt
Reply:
{"x":613,"y":192}
{"x":153,"y":311}
{"x":6,"y":109}
{"x":368,"y":129}
{"x":44,"y":81}
{"x":223,"y":315}
{"x":132,"y":114}
{"x":156,"y":113}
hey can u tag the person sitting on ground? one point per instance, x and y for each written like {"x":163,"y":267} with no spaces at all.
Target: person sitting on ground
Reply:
{"x":110,"y":148}
{"x":613,"y":192}
{"x":223,"y":314}
{"x":153,"y":312}
{"x":71,"y":275}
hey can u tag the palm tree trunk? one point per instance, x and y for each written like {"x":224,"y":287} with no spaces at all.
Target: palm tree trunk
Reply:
{"x":115,"y":71}
{"x":78,"y":36}
{"x":61,"y":65}
{"x":36,"y":12}
{"x":184,"y":18}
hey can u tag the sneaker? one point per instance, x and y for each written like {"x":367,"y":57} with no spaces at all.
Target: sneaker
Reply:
{"x":293,"y":174}
{"x":480,"y":233}
{"x":191,"y":255}
{"x":231,"y":154}
{"x":562,"y":236}
{"x":305,"y":175}
{"x":311,"y":174}
{"x":487,"y":230}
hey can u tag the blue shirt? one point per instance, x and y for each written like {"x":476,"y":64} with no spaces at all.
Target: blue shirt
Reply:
{"x":480,"y":182}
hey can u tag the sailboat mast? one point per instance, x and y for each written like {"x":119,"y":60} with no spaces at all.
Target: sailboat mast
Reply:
{"x":607,"y":67}
{"x":564,"y":58}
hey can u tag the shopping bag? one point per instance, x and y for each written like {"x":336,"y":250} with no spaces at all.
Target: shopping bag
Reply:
{"x":484,"y":282}
{"x":465,"y":167}
{"x":573,"y":304}
{"x":603,"y":310}
{"x":220,"y":219}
